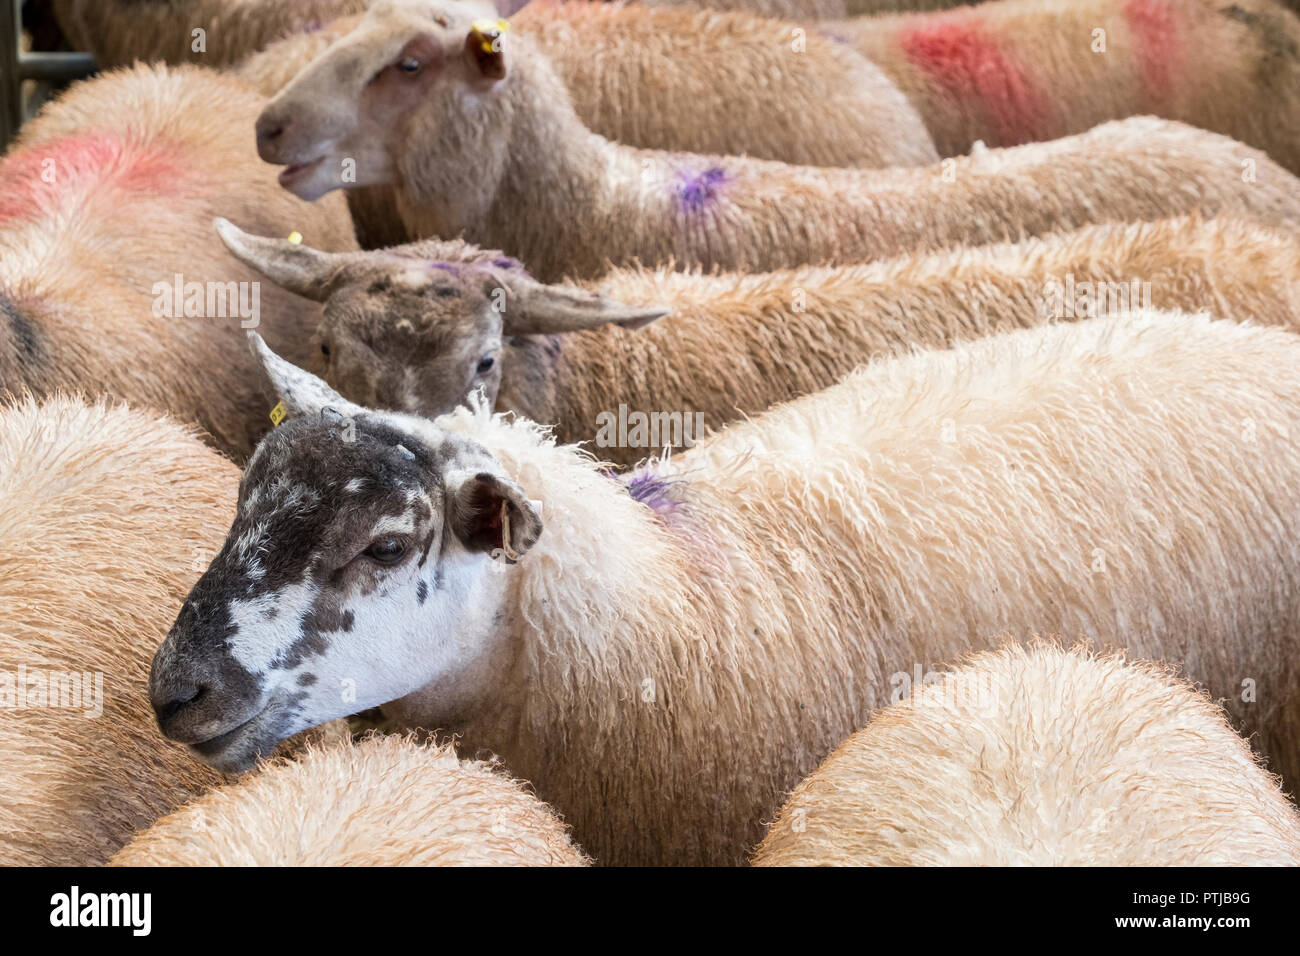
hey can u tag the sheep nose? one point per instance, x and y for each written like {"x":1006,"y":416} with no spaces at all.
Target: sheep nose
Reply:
{"x":270,"y":131}
{"x":169,"y":703}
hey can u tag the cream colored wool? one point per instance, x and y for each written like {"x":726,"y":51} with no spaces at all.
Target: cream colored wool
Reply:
{"x":733,"y":345}
{"x":593,"y":202}
{"x":141,"y":161}
{"x":816,"y":9}
{"x":671,"y":672}
{"x":1011,"y":71}
{"x":120,"y":32}
{"x":693,"y":80}
{"x":1041,"y":757}
{"x":106,"y":515}
{"x":383,"y":802}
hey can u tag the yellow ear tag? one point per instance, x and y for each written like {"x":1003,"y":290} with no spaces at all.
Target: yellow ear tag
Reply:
{"x":487,"y":32}
{"x":295,"y":237}
{"x":278,"y":413}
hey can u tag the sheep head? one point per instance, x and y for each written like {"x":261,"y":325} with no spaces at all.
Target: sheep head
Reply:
{"x":418,"y":72}
{"x":419,"y":328}
{"x":360,"y":568}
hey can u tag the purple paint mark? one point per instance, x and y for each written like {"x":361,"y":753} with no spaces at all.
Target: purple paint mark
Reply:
{"x":446,"y":267}
{"x":696,"y":190}
{"x":508,"y":263}
{"x":837,"y":37}
{"x":653,"y":490}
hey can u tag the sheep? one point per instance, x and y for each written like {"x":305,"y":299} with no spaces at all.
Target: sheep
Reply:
{"x":106,"y":254}
{"x":687,"y":79}
{"x":1013,"y":71}
{"x":105,"y":516}
{"x":403,"y":336}
{"x":818,"y":9}
{"x":524,"y":175}
{"x":677,"y":79}
{"x":386,"y":801}
{"x":1040,"y":757}
{"x":212,"y":32}
{"x":664,"y":654}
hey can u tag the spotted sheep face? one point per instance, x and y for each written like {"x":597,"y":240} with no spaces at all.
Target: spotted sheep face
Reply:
{"x":350,"y":111}
{"x":422,"y":327}
{"x":359,"y":569}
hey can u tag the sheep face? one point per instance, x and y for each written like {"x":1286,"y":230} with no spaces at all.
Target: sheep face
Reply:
{"x":363,"y":565}
{"x":419,"y":328}
{"x":412,"y":71}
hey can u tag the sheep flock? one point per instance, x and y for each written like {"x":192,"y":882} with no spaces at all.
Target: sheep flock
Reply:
{"x":651,"y":433}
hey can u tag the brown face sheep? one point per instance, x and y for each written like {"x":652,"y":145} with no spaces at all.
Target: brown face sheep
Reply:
{"x":1040,"y":757}
{"x":419,"y":328}
{"x":1014,"y":71}
{"x":383,"y":802}
{"x":694,"y":80}
{"x":664,"y":655}
{"x":111,"y":281}
{"x":106,"y":515}
{"x":376,"y":107}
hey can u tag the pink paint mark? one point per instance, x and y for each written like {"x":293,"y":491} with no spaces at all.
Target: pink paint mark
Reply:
{"x":1153,"y":24}
{"x":956,"y":51}
{"x":40,"y":178}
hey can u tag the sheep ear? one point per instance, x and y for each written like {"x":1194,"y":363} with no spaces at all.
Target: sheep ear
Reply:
{"x":533,"y":308}
{"x":293,"y":266}
{"x":485,"y":47}
{"x":301,"y":392}
{"x":483,"y":507}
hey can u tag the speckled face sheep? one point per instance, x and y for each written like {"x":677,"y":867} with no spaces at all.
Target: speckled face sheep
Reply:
{"x":664,"y":655}
{"x":385,"y":801}
{"x":1041,"y":757}
{"x":417,"y":328}
{"x":479,"y":137}
{"x":1015,"y":71}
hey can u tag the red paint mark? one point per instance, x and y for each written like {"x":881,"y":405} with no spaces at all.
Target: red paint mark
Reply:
{"x":40,"y":178}
{"x":973,"y":68}
{"x":1153,"y":23}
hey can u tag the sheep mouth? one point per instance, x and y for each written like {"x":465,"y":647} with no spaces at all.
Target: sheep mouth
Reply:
{"x":237,"y":749}
{"x":299,"y":171}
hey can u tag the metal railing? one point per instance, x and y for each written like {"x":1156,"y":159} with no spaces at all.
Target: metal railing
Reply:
{"x":16,"y":66}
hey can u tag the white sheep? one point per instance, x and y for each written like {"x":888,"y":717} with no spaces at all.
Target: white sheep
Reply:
{"x":111,"y":282}
{"x":523,"y":174}
{"x":663,"y":656}
{"x":386,"y":801}
{"x":105,"y":516}
{"x":418,"y":328}
{"x":1040,"y":757}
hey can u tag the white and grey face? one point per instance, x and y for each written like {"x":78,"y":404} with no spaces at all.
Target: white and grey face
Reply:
{"x":357,"y":571}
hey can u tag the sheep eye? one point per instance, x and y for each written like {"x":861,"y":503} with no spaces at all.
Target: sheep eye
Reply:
{"x":385,"y":550}
{"x":485,"y":364}
{"x":325,"y":349}
{"x":409,"y":65}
